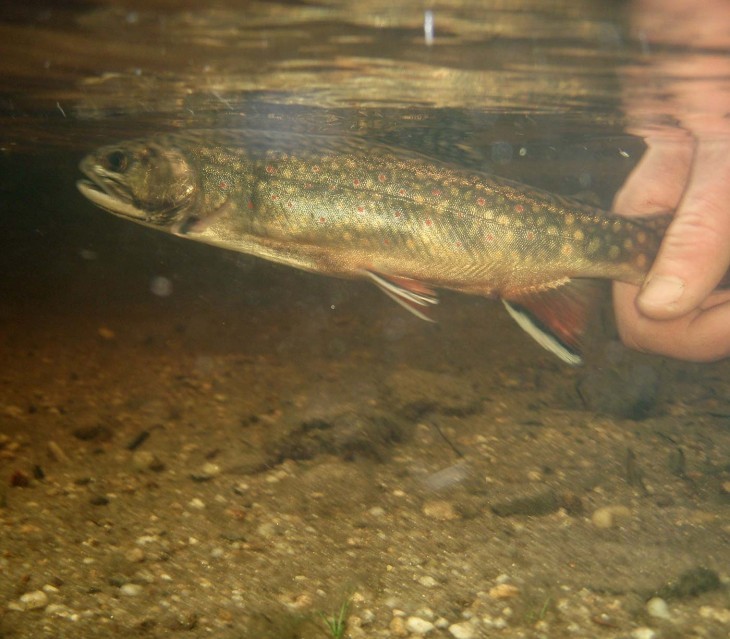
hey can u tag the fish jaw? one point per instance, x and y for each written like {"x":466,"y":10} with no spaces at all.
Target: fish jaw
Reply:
{"x":110,"y":203}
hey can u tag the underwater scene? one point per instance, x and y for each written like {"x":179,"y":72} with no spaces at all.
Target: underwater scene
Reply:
{"x":322,"y":319}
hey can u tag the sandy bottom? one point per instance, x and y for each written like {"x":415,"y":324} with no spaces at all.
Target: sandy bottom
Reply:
{"x":206,"y":464}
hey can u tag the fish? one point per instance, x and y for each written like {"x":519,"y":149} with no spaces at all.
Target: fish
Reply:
{"x":409,"y":223}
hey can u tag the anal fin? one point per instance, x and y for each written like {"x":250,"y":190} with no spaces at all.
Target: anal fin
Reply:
{"x":412,"y":295}
{"x":557,"y":318}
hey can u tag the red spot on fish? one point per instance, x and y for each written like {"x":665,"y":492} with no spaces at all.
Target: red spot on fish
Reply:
{"x":481,"y":201}
{"x":250,"y":204}
{"x":458,"y":244}
{"x":270,"y":169}
{"x":530,"y":235}
{"x":381,"y":177}
{"x":274,"y":197}
{"x":460,"y":214}
{"x":402,"y":192}
{"x":398,"y":213}
{"x":289,"y":204}
{"x":308,"y":185}
{"x":222,"y":184}
{"x":489,"y":237}
{"x":519,"y":208}
{"x":315,"y":169}
{"x":386,"y":242}
{"x":356,"y":182}
{"x":435,"y":192}
{"x":428,"y":221}
{"x":321,"y":220}
{"x":360,"y":209}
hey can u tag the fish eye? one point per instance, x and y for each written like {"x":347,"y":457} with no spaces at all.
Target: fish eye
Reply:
{"x":116,"y":161}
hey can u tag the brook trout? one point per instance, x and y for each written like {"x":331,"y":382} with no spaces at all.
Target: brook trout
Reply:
{"x":351,"y":209}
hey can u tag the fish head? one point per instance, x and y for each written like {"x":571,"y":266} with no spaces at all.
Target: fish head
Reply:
{"x":143,"y":180}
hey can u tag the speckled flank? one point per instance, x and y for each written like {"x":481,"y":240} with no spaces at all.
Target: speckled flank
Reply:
{"x":342,"y":208}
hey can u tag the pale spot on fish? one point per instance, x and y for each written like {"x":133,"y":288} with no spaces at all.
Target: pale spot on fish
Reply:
{"x":503,"y":219}
{"x":481,"y":201}
{"x":579,"y":235}
{"x":569,"y":219}
{"x":614,"y":251}
{"x":552,"y":230}
{"x":628,"y":244}
{"x":641,"y":237}
{"x":566,"y":249}
{"x":641,"y":261}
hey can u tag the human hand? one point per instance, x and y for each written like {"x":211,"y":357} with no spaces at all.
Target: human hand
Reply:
{"x":686,"y":169}
{"x":676,"y":312}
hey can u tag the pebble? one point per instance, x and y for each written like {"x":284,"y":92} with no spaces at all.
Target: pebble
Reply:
{"x":398,"y":627}
{"x":134,"y":555}
{"x":439,"y":509}
{"x":106,"y":333}
{"x":131,"y":590}
{"x":33,"y":600}
{"x":717,"y":614}
{"x":643,"y":633}
{"x":504,"y":591}
{"x":418,"y":626}
{"x":428,"y":581}
{"x":462,"y":630}
{"x":657,"y":607}
{"x":608,"y":516}
{"x":196,"y":503}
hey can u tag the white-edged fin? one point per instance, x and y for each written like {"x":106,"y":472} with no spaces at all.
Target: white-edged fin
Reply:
{"x":412,"y":295}
{"x":557,"y":318}
{"x":547,"y":340}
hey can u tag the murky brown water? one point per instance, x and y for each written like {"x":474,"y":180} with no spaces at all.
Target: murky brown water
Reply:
{"x":197,"y":443}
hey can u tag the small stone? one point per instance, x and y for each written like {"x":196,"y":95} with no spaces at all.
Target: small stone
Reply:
{"x":418,"y":626}
{"x":657,"y":607}
{"x":643,"y":633}
{"x":504,"y":591}
{"x":428,"y":581}
{"x":462,"y":630}
{"x":131,"y":590}
{"x":608,"y":516}
{"x":144,"y":460}
{"x":439,"y":509}
{"x":196,"y":503}
{"x":717,"y":614}
{"x":206,"y":472}
{"x":33,"y":600}
{"x":134,"y":555}
{"x":377,"y":511}
{"x":106,"y":333}
{"x":398,"y":627}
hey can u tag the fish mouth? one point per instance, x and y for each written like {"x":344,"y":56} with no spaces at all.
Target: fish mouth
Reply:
{"x":108,"y":193}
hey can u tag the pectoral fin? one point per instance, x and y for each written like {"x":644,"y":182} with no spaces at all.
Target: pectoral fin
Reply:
{"x":412,"y":295}
{"x":557,"y":318}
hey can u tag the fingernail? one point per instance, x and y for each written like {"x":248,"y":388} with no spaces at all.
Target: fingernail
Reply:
{"x":662,"y":291}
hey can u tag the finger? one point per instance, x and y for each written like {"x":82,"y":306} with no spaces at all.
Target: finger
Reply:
{"x":695,"y":252}
{"x":657,"y":182}
{"x":701,"y":336}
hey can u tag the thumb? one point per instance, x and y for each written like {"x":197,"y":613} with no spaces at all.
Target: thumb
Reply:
{"x":695,"y":252}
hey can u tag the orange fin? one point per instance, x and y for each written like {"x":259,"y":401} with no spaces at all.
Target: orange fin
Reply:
{"x":557,"y":318}
{"x":412,"y":295}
